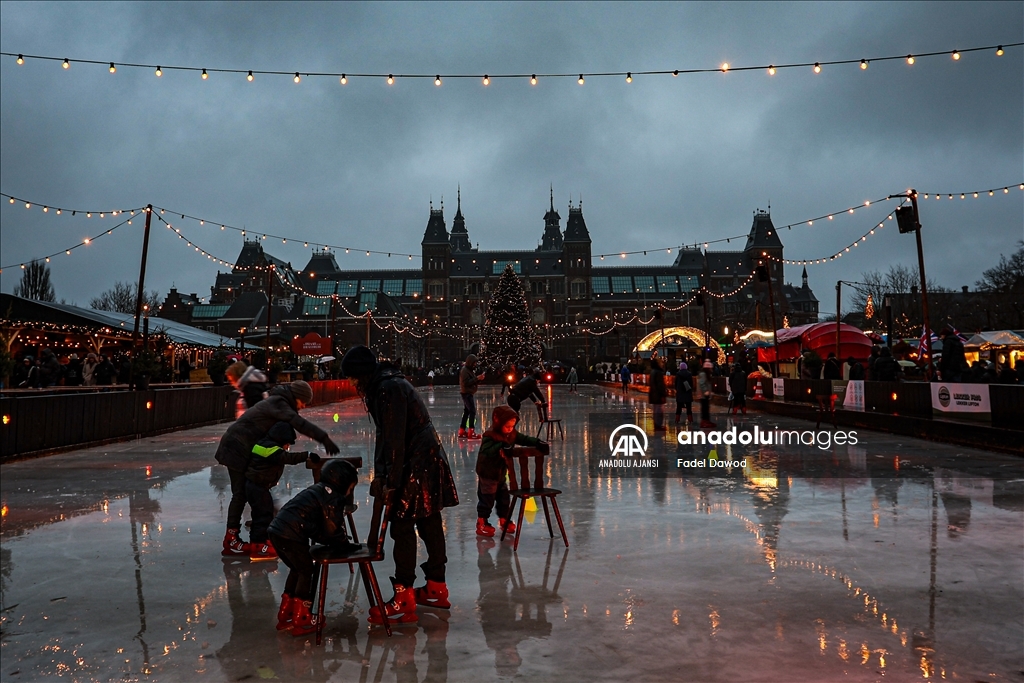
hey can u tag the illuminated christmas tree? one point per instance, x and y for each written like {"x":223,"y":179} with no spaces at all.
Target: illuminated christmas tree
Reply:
{"x":869,"y":308}
{"x":509,"y":338}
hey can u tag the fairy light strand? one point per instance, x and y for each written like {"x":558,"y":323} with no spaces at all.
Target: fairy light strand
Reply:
{"x":815,"y":66}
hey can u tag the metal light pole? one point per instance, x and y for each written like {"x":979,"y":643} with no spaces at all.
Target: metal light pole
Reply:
{"x":911,"y":222}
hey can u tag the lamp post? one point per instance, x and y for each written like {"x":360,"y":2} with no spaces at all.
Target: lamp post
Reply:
{"x":909,"y":220}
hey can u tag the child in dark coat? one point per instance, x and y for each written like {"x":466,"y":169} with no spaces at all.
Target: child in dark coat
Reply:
{"x":315,"y":513}
{"x":499,"y":443}
{"x":269,"y":456}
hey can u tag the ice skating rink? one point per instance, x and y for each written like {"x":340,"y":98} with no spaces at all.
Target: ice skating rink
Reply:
{"x":895,"y":558}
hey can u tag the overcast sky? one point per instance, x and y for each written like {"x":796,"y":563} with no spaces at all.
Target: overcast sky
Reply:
{"x":659,"y":162}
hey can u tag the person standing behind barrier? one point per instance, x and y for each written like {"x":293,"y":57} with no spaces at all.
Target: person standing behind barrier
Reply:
{"x":887,"y":368}
{"x":684,"y":392}
{"x":625,"y":374}
{"x":468,"y":383}
{"x":856,"y":369}
{"x":953,"y":360}
{"x":410,"y":465}
{"x":104,"y":372}
{"x":704,"y":389}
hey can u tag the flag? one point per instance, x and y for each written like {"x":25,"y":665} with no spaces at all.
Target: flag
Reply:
{"x":932,"y":338}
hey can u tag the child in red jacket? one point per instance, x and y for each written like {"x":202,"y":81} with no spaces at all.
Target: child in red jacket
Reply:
{"x":499,"y":443}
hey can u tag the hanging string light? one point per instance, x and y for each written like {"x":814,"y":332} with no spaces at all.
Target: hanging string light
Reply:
{"x":67,"y":251}
{"x":725,"y":67}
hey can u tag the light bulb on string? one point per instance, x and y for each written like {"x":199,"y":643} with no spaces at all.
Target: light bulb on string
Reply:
{"x":249,"y":77}
{"x":59,"y":212}
{"x":1006,"y":190}
{"x":629,"y":77}
{"x":771,"y":69}
{"x":159,"y":72}
{"x":205,"y":75}
{"x":999,"y":52}
{"x":910,"y":59}
{"x":956,"y":55}
{"x":863,"y":64}
{"x":487,"y":79}
{"x":113,"y":69}
{"x":344,"y":79}
{"x":975,"y":195}
{"x":391,"y":79}
{"x":21,"y":60}
{"x":580,"y":80}
{"x":437,"y":80}
{"x":817,"y":68}
{"x":66,"y":64}
{"x":297,"y":78}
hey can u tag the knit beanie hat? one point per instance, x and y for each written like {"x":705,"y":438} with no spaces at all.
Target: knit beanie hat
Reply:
{"x":359,"y":361}
{"x":301,"y":391}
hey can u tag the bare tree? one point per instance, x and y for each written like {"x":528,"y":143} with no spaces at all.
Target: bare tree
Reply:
{"x":122,"y":298}
{"x":902,"y":283}
{"x":1003,"y":287}
{"x":35,"y":283}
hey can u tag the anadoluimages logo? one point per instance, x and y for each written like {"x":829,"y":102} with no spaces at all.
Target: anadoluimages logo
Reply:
{"x":625,"y":443}
{"x":944,"y":396}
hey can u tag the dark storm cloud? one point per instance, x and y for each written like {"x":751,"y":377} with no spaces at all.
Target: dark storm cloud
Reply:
{"x":659,"y":162}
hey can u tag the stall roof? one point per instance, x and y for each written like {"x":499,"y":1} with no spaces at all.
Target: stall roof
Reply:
{"x":995,"y":338}
{"x":27,"y":310}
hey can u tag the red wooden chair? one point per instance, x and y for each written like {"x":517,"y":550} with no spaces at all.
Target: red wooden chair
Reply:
{"x":521,"y":493}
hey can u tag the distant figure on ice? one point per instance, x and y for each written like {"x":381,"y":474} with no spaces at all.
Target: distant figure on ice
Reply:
{"x":410,"y":464}
{"x":468,"y":383}
{"x":499,"y":443}
{"x":282,"y":405}
{"x":572,"y":379}
{"x":317,"y":514}
{"x":528,"y":388}
{"x":684,"y":392}
{"x":250,"y":383}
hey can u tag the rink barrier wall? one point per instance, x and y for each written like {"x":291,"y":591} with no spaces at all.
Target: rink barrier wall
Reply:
{"x":36,"y":425}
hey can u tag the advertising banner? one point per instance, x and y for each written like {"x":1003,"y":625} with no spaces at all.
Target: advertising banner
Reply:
{"x":778,"y":388}
{"x":961,"y":401}
{"x":311,"y":345}
{"x":854,"y":399}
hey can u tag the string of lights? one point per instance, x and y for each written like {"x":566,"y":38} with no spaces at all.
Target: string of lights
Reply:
{"x":818,"y":261}
{"x":67,"y":251}
{"x":486,"y":79}
{"x":57,"y":210}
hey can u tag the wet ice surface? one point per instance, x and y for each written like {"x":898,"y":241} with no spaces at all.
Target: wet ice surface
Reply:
{"x":895,"y":558}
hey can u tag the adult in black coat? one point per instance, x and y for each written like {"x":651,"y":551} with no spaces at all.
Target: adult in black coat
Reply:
{"x":856,"y":369}
{"x":887,"y":368}
{"x":408,"y":462}
{"x":104,"y":372}
{"x":528,"y":388}
{"x":657,"y":394}
{"x":235,"y":446}
{"x":49,"y":370}
{"x":738,"y":387}
{"x":953,"y":361}
{"x":684,"y":392}
{"x":833,"y":368}
{"x":20,"y":376}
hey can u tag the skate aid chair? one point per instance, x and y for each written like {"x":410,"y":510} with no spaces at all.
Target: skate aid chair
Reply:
{"x":524,"y":492}
{"x":550,"y":422}
{"x":324,"y":556}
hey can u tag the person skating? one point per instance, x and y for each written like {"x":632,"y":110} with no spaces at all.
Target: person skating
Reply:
{"x":250,"y":383}
{"x":657,"y":394}
{"x":572,"y":379}
{"x":282,"y":405}
{"x":499,"y":444}
{"x":704,"y":389}
{"x":410,"y":463}
{"x":528,"y":388}
{"x":269,"y":456}
{"x":684,"y":392}
{"x":738,"y":387}
{"x":315,"y":513}
{"x":468,"y":383}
